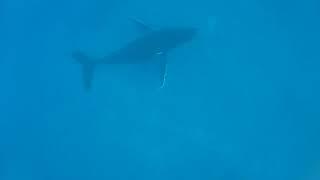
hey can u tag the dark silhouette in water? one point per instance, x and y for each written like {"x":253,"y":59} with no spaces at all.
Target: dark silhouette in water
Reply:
{"x":155,"y":42}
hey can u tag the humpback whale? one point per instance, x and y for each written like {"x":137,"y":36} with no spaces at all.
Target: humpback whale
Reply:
{"x":154,"y":42}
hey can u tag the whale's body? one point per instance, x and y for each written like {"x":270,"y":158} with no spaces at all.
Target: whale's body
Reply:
{"x":143,"y":49}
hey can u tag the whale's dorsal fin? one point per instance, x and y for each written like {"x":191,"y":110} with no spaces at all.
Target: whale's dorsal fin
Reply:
{"x":142,"y":25}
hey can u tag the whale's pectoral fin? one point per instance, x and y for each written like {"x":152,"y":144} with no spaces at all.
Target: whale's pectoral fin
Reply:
{"x":163,"y":69}
{"x":142,"y":25}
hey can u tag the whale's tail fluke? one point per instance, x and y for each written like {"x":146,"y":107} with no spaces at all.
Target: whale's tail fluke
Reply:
{"x":88,"y":67}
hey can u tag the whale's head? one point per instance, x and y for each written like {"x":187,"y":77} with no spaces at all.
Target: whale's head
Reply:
{"x":173,"y":37}
{"x":184,"y":34}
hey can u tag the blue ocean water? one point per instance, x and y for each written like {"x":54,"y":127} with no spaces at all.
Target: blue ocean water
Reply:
{"x":241,"y":100}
